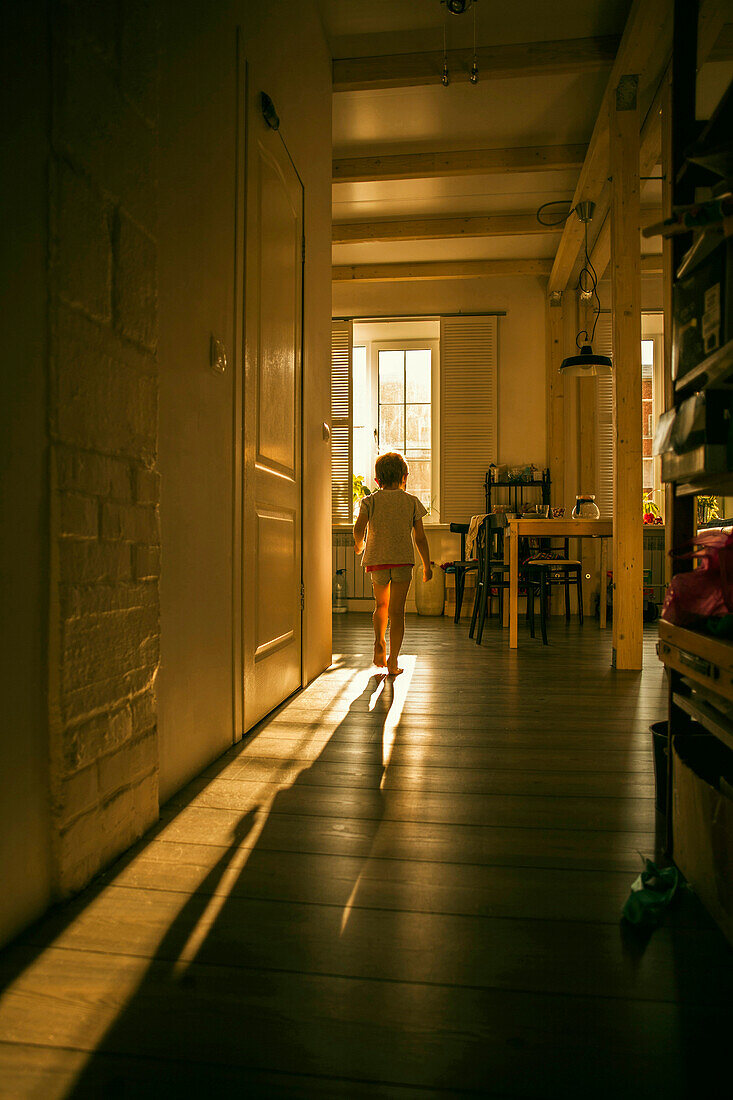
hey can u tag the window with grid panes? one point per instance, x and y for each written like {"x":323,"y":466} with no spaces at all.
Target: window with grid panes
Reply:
{"x":404,"y":389}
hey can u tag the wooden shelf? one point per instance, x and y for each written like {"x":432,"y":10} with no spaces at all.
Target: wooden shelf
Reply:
{"x":701,"y":657}
{"x":518,"y":484}
{"x":720,"y":485}
{"x":716,"y":370}
{"x":697,"y":466}
{"x":708,"y":716}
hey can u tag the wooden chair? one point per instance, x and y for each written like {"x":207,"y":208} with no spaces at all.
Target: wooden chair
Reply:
{"x":460,"y":568}
{"x":492,"y":575}
{"x":553,"y":566}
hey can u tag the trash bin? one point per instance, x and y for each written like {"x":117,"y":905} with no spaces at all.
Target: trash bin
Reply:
{"x":659,"y":744}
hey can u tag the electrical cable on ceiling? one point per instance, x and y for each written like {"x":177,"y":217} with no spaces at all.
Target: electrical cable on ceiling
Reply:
{"x":555,"y":202}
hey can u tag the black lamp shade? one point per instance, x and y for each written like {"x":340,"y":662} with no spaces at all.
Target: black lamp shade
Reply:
{"x":586,"y":363}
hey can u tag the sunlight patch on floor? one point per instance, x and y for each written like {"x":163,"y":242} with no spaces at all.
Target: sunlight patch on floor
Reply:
{"x":400,"y":687}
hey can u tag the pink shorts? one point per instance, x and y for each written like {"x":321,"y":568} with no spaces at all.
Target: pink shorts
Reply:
{"x":391,"y":573}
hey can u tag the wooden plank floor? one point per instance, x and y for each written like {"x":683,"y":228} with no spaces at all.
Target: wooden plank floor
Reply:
{"x":406,"y":889}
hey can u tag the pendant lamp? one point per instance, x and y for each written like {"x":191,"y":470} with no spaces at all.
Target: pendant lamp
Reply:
{"x":586,"y":363}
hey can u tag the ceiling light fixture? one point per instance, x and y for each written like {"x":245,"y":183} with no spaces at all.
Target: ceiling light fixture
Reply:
{"x":459,"y":7}
{"x":587,"y":364}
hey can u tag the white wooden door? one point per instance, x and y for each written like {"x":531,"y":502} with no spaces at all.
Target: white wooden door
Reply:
{"x":271,"y":582}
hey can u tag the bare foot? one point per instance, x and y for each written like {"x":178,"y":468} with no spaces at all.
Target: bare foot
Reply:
{"x":380,"y":654}
{"x":394,"y":669}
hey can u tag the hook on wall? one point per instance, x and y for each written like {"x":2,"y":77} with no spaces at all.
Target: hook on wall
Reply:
{"x":269,"y":113}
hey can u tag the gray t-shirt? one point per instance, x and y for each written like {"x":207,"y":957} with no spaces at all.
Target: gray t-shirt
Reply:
{"x":391,"y":515}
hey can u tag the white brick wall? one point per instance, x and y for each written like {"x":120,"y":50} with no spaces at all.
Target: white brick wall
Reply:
{"x":105,"y":489}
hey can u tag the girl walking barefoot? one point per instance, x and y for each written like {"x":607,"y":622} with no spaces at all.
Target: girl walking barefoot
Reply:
{"x":387,"y":520}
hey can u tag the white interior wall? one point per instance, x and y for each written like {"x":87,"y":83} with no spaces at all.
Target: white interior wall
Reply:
{"x":25,"y":870}
{"x":286,"y":56}
{"x":522,"y":433}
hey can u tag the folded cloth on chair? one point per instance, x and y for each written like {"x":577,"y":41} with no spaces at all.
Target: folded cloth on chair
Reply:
{"x":472,"y":535}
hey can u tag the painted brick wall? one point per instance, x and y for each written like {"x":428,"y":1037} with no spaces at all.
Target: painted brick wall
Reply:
{"x":105,"y":543}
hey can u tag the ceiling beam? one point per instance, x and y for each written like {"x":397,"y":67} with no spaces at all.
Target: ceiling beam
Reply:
{"x":650,"y":154}
{"x":722,"y":49}
{"x":643,"y":51}
{"x":469,"y":162}
{"x":434,"y":229}
{"x":437,"y":229}
{"x":713,"y":30}
{"x":416,"y":272}
{"x":404,"y":70}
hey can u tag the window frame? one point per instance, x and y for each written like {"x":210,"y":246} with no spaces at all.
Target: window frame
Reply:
{"x":412,"y":344}
{"x":603,"y":344}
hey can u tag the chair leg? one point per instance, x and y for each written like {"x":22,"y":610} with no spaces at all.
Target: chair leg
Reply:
{"x":474,"y":613}
{"x":460,"y":585}
{"x":530,"y":606}
{"x":580,"y":597}
{"x":567,"y":596}
{"x":485,"y":597}
{"x":543,"y":605}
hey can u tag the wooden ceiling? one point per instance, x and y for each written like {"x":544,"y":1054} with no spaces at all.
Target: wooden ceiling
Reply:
{"x":445,"y":182}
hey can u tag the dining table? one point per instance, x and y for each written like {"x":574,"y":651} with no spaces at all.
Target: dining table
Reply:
{"x":539,"y":527}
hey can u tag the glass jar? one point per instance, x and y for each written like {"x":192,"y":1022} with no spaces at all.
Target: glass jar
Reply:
{"x":586,"y":507}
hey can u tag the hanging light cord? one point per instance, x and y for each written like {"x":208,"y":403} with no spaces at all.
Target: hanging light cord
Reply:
{"x":474,"y":68}
{"x":587,"y":276}
{"x":445,"y":78}
{"x":588,"y":284}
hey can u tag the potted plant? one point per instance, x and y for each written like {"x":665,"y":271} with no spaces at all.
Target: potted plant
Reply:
{"x":360,"y":490}
{"x":651,"y":510}
{"x":708,"y":509}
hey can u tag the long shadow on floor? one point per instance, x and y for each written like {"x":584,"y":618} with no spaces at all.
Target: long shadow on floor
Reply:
{"x":256,"y":987}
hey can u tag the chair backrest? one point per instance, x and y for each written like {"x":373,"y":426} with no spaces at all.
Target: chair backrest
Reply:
{"x":462,"y":530}
{"x":491,"y":535}
{"x":557,"y":547}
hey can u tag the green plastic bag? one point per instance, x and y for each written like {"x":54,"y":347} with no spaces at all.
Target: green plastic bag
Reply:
{"x":651,"y":894}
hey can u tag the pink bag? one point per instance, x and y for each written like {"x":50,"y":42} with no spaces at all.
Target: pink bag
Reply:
{"x":707,"y":591}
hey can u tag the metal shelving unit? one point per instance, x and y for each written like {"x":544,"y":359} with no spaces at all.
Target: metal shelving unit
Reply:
{"x":699,"y":666}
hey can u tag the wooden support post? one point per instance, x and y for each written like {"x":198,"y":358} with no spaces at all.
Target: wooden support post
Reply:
{"x":626,"y":287}
{"x":555,"y":313}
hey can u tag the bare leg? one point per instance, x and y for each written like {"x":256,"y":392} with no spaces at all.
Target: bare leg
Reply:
{"x":379,"y":618}
{"x":397,"y":598}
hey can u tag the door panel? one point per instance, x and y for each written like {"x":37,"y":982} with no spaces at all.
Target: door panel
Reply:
{"x":276,"y":624}
{"x":271,"y":635}
{"x":279,"y":320}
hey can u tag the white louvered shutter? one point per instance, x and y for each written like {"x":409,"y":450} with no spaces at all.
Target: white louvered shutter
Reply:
{"x":603,"y":344}
{"x":468,"y":383}
{"x":341,"y":406}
